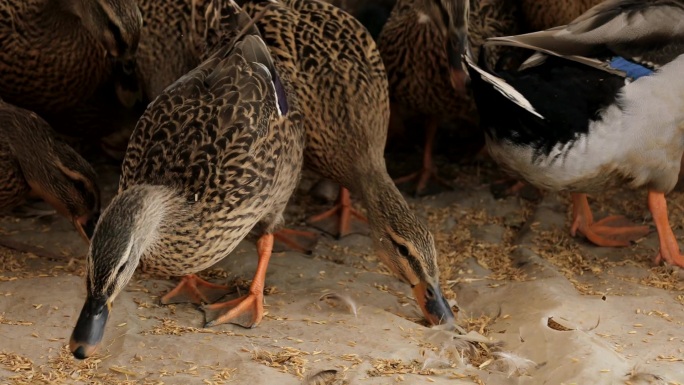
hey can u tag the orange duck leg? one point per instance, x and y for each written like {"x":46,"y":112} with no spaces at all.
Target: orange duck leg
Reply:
{"x":428,"y":171}
{"x":345,"y":213}
{"x":669,"y":248}
{"x":248,"y":310}
{"x":612,"y":231}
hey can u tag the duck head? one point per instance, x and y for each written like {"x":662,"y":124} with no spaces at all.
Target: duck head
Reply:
{"x":406,"y":246}
{"x":410,"y":254}
{"x":127,"y":229}
{"x":451,"y":18}
{"x":116,"y":24}
{"x":69,"y":184}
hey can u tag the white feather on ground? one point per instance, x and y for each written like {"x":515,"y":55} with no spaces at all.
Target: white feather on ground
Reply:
{"x":636,"y":377}
{"x":340,"y":298}
{"x":511,"y":364}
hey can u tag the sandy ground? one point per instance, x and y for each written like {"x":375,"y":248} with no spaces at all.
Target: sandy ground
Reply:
{"x":542,"y":307}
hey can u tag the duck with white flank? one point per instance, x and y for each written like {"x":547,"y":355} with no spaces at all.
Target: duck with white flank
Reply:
{"x":599,"y":104}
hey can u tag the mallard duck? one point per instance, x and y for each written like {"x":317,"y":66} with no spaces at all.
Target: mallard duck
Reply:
{"x":539,"y":15}
{"x":34,"y":163}
{"x":216,"y":154}
{"x":57,"y":57}
{"x":165,"y":53}
{"x":421,"y":44}
{"x":598,"y":105}
{"x":342,"y":87}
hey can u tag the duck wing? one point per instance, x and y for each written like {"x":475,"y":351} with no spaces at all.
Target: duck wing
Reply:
{"x":208,"y":126}
{"x":649,"y":33}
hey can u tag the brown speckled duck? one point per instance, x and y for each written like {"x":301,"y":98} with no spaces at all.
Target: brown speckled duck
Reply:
{"x":342,"y":88}
{"x":59,"y":58}
{"x":166,"y":52}
{"x":421,"y":44}
{"x":217,"y":154}
{"x":34,"y":163}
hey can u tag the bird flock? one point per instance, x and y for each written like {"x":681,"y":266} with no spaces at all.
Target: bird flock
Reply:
{"x":214,"y":107}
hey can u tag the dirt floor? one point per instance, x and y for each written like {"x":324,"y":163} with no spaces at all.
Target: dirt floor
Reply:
{"x":541,"y":307}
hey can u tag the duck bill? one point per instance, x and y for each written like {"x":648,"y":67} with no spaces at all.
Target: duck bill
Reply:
{"x":435,"y":307}
{"x":86,"y":226}
{"x":457,"y":46}
{"x":89,"y":328}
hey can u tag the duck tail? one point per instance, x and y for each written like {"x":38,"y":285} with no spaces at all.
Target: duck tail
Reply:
{"x":217,"y":24}
{"x":229,"y":33}
{"x":489,"y":88}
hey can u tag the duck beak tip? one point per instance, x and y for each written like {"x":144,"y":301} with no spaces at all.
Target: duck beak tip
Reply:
{"x":434,"y":305}
{"x":89,"y":329}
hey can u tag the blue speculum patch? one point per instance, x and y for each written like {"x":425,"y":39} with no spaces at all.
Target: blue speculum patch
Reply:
{"x":633,"y":70}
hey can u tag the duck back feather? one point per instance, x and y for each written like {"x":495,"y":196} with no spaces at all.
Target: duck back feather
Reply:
{"x":650,"y":33}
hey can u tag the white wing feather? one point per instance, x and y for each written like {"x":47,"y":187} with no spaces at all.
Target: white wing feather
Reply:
{"x":503,"y":87}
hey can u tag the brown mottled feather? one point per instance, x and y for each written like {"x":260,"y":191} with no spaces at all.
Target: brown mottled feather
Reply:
{"x":33,"y":161}
{"x":165,"y":52}
{"x":342,"y":87}
{"x":415,"y":55}
{"x":342,"y":81}
{"x":221,"y":154}
{"x":53,"y":58}
{"x":538,"y":15}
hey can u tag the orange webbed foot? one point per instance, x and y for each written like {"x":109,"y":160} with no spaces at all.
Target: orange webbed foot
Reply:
{"x":423,"y":176}
{"x":298,"y":240}
{"x":511,"y":187}
{"x":612,"y":231}
{"x":193,"y":289}
{"x":428,"y":171}
{"x":341,"y":216}
{"x":246,"y":311}
{"x":669,"y":248}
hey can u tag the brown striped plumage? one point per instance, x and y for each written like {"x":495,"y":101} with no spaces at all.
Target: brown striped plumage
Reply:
{"x":413,"y":44}
{"x":538,"y":15}
{"x":342,"y":88}
{"x":59,"y":58}
{"x":216,"y":154}
{"x":33,"y":162}
{"x":220,"y":153}
{"x":165,"y":53}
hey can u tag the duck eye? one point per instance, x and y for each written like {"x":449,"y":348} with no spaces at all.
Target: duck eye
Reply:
{"x":403,"y":250}
{"x":429,"y":294}
{"x":121,"y":269}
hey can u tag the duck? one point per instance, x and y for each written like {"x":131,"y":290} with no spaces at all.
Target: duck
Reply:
{"x":166,"y":51}
{"x":596,"y":105}
{"x":537,"y":16}
{"x":36,"y":164}
{"x":60,"y":59}
{"x":421,"y":45}
{"x":343,"y":92}
{"x":215,"y":156}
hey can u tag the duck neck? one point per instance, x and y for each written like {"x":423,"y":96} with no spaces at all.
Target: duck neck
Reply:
{"x":58,"y":16}
{"x":141,"y":214}
{"x":382,"y":200}
{"x":31,"y":145}
{"x":131,"y":227}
